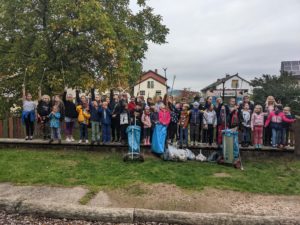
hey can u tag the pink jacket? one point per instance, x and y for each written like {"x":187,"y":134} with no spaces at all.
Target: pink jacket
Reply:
{"x":146,"y":120}
{"x":164,"y":117}
{"x":257,"y":120}
{"x":277,"y":118}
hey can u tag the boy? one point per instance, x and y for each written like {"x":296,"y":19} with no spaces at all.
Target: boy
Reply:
{"x":183,"y":126}
{"x":55,"y":125}
{"x":245,"y":119}
{"x":106,"y":122}
{"x":196,"y":117}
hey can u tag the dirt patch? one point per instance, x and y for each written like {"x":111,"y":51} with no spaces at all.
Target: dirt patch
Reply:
{"x":171,"y":197}
{"x":222,"y":175}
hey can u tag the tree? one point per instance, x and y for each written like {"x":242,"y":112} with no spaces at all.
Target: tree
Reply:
{"x":284,"y":88}
{"x":79,"y":43}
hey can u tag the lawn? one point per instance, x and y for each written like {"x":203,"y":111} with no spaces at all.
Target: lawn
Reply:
{"x":107,"y":170}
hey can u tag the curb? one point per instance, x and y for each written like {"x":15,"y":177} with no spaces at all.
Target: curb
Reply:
{"x":130,"y":215}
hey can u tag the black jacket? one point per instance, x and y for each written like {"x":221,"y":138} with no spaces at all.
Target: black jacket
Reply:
{"x":70,"y":108}
{"x":43,"y":108}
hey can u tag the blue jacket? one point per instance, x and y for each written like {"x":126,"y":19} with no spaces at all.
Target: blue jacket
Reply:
{"x":26,"y":114}
{"x":105,"y":115}
{"x":196,"y":116}
{"x":54,"y":120}
{"x":95,"y":114}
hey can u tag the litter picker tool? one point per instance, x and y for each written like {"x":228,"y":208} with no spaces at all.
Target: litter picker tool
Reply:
{"x":174,"y":78}
{"x":42,"y":77}
{"x":63,"y":72}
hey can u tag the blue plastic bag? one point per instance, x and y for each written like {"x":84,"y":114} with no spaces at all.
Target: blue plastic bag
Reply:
{"x":159,"y":139}
{"x":134,"y":138}
{"x":231,"y":149}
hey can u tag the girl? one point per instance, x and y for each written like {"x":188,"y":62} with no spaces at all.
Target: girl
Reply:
{"x":269,"y":107}
{"x":196,"y":118}
{"x":209,"y":122}
{"x":147,"y":125}
{"x":28,"y":114}
{"x":275,"y":120}
{"x":257,"y":124}
{"x":70,"y":115}
{"x":287,"y":129}
{"x":106,"y":122}
{"x":183,"y":126}
{"x":173,"y":126}
{"x":95,"y":121}
{"x":55,"y":125}
{"x":83,"y":119}
{"x":245,"y":119}
{"x":43,"y":111}
{"x":124,"y":122}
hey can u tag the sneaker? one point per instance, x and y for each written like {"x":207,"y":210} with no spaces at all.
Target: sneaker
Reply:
{"x":68,"y":139}
{"x":80,"y":141}
{"x":86,"y":141}
{"x":59,"y":141}
{"x":72,"y":139}
{"x":50,"y":141}
{"x":192,"y":143}
{"x":26,"y":138}
{"x":30,"y":138}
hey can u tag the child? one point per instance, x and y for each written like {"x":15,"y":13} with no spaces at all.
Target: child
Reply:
{"x":233,"y":114}
{"x":124,"y":122}
{"x":287,"y":129}
{"x":222,"y":121}
{"x":245,"y":119}
{"x":55,"y":125}
{"x":257,"y":124}
{"x":28,"y":114}
{"x":196,"y":118}
{"x":209,"y":122}
{"x":95,"y":122}
{"x":183,"y":126}
{"x":154,"y":119}
{"x":275,"y":120}
{"x":146,"y":120}
{"x":43,"y":111}
{"x":83,"y":119}
{"x":173,"y":126}
{"x":70,"y":115}
{"x":106,"y":122}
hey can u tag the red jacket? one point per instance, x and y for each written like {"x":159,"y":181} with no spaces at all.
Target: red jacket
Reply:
{"x":164,"y":117}
{"x":277,"y":118}
{"x":131,"y":107}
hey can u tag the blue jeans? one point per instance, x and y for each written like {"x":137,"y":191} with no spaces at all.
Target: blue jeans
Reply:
{"x":95,"y":130}
{"x":276,"y":136}
{"x":106,"y":133}
{"x":246,"y":134}
{"x":183,"y":135}
{"x":84,"y":132}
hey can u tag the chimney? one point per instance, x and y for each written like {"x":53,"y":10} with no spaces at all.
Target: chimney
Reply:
{"x":156,"y":71}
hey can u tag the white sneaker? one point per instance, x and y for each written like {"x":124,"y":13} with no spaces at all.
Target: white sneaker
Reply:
{"x":192,"y":143}
{"x":80,"y":141}
{"x":86,"y":141}
{"x":68,"y":139}
{"x":72,"y":139}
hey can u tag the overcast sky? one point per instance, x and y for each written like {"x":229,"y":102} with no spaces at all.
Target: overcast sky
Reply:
{"x":209,"y":38}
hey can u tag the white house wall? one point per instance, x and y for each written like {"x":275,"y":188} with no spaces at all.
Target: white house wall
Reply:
{"x":148,"y":91}
{"x":242,"y":85}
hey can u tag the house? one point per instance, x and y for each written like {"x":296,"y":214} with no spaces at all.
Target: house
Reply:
{"x":151,"y":84}
{"x":292,"y":67}
{"x":231,"y":86}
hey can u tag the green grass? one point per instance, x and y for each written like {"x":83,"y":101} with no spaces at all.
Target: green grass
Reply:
{"x":103,"y":170}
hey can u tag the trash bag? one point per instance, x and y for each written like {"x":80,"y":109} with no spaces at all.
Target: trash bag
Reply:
{"x":134,"y":138}
{"x":230,"y":146}
{"x":159,"y":139}
{"x":190,"y":155}
{"x":201,"y":157}
{"x":174,"y":154}
{"x":213,"y":157}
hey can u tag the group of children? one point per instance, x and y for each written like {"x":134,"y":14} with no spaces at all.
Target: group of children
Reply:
{"x":109,"y":117}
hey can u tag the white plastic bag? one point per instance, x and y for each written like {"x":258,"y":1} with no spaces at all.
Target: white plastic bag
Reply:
{"x":190,"y":155}
{"x":201,"y":157}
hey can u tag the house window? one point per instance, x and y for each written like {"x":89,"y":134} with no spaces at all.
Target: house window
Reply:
{"x":158,"y":93}
{"x":142,"y":93}
{"x":234,"y":83}
{"x":150,"y":84}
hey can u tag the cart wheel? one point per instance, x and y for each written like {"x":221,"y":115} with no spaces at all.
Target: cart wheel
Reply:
{"x":141,"y":158}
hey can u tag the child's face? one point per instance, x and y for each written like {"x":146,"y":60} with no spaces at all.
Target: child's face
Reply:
{"x":257,"y":109}
{"x":97,"y":98}
{"x":246,"y":106}
{"x":29,"y":97}
{"x":104,"y":105}
{"x":57,"y":98}
{"x":55,"y":109}
{"x":232,"y":101}
{"x":46,"y":99}
{"x":177,"y":106}
{"x":95,"y":104}
{"x":83,"y":99}
{"x":286,"y":111}
{"x":69,"y":97}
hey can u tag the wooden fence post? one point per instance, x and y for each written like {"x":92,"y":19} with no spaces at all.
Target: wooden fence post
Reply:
{"x":10,"y":127}
{"x":1,"y":128}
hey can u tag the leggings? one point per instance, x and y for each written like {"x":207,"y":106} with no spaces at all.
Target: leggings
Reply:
{"x":29,"y":126}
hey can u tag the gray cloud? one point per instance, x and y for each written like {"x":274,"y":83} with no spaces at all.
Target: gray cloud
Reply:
{"x":209,"y":38}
